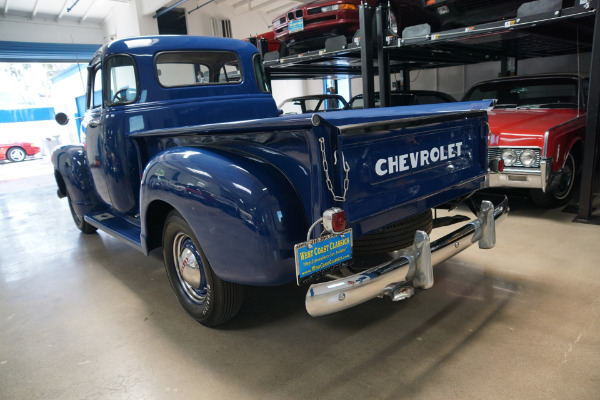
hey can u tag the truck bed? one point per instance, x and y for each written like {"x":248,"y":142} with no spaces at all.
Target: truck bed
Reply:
{"x":438,"y":153}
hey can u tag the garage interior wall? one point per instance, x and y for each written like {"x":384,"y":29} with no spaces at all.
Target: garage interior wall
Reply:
{"x":457,"y":80}
{"x":136,"y":18}
{"x":42,"y":31}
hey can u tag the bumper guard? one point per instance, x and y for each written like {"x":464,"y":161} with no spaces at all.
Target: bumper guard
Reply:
{"x":413,"y":268}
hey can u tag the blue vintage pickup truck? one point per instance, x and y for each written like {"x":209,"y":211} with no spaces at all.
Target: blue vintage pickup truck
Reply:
{"x":184,"y":148}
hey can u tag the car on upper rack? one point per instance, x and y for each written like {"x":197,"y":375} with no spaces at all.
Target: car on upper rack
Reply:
{"x":313,"y":103}
{"x":268,"y":38}
{"x":460,"y":13}
{"x":406,"y":98}
{"x":537,"y":130}
{"x":307,"y":26}
{"x":17,"y":151}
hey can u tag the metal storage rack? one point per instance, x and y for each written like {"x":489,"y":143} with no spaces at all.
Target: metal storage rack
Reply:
{"x":550,"y":33}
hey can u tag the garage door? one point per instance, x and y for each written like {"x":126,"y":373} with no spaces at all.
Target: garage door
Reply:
{"x":46,"y":52}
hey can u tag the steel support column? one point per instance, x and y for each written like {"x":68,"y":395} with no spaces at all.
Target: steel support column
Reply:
{"x":366,"y":55}
{"x":591,"y":164}
{"x":405,"y":79}
{"x":383,"y":57}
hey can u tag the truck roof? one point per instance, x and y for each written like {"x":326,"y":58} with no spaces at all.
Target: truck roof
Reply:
{"x":150,"y":45}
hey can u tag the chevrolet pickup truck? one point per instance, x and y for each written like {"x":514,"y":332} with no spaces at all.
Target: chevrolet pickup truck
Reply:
{"x":184,"y":148}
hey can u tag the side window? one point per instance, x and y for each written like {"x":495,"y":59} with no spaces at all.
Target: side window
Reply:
{"x":230,"y":72}
{"x":291,"y":107}
{"x":122,"y":80}
{"x":196,"y":68}
{"x":357,"y":102}
{"x":95,"y":95}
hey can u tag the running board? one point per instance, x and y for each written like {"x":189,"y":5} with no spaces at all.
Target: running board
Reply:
{"x":124,"y":229}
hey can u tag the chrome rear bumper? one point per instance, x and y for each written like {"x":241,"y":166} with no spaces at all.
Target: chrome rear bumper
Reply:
{"x":412,"y":269}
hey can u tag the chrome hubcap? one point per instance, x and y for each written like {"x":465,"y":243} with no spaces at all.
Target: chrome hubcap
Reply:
{"x":189,"y":268}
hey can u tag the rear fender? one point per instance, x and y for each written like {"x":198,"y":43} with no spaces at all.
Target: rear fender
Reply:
{"x":245,"y":213}
{"x":74,"y":179}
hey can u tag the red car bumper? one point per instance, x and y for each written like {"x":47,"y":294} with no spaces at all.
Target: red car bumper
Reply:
{"x":321,"y":25}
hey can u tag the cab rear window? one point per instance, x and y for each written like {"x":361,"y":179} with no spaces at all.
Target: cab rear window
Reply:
{"x":197,"y":68}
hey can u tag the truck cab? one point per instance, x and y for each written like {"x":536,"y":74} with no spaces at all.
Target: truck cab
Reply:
{"x":189,"y":86}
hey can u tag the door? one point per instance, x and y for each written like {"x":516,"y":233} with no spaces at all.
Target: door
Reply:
{"x":93,"y":132}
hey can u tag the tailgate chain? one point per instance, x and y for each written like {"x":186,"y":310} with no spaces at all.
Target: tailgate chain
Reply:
{"x":326,"y":170}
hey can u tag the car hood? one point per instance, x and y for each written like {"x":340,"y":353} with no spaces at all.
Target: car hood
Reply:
{"x":525,"y":127}
{"x":317,"y":3}
{"x":22,"y":144}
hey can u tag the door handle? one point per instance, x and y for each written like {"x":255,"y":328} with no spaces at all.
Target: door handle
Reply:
{"x":94,"y":123}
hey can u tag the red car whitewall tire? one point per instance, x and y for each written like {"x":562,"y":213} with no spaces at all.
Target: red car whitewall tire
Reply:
{"x":561,"y":191}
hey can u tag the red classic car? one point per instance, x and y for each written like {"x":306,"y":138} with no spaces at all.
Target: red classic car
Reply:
{"x":536,"y":128}
{"x":17,"y":151}
{"x":269,"y":37}
{"x":307,"y":26}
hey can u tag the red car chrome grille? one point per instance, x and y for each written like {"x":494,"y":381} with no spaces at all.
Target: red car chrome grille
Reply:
{"x":292,"y":15}
{"x":496,"y":152}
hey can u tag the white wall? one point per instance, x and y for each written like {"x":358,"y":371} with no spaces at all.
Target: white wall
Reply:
{"x":244,"y":23}
{"x":25,"y":30}
{"x":135,"y":18}
{"x":284,"y":89}
{"x":122,"y":23}
{"x":570,"y":63}
{"x":64,"y":93}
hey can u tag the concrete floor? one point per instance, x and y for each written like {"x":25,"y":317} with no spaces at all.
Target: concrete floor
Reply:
{"x":87,"y":317}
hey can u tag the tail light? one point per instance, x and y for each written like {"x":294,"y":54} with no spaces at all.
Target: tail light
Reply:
{"x":334,"y":220}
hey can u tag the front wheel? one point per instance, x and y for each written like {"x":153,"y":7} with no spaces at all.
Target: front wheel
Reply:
{"x":202,"y":294}
{"x":562,"y":191}
{"x":79,"y":221}
{"x":16,"y":154}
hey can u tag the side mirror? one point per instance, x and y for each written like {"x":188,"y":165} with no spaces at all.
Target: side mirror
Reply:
{"x":61,"y":118}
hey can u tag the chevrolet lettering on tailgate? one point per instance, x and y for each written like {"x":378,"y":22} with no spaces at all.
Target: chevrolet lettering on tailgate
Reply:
{"x":416,"y":159}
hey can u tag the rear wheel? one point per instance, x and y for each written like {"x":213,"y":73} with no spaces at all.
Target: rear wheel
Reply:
{"x":16,"y":154}
{"x":562,"y":191}
{"x":202,"y":294}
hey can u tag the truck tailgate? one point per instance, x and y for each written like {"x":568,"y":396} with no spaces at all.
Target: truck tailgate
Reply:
{"x":402,"y":160}
{"x":396,"y":168}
